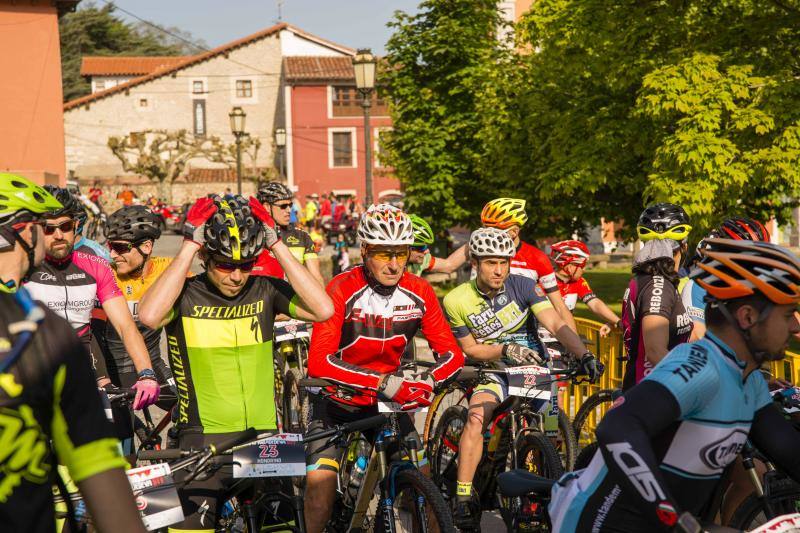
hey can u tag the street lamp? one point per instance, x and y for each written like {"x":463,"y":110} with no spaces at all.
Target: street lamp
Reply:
{"x":364,"y":67}
{"x":280,"y":142}
{"x":238,"y":116}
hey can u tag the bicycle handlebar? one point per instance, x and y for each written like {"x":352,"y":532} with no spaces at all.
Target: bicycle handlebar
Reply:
{"x":118,"y":395}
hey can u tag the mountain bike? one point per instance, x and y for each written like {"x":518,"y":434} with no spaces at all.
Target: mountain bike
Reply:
{"x":515,"y":436}
{"x":406,"y":499}
{"x":292,"y":338}
{"x":146,"y":432}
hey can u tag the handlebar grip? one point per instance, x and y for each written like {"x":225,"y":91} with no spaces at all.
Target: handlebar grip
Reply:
{"x":467,"y":373}
{"x":248,"y":435}
{"x":314,"y":382}
{"x":367,"y":423}
{"x":160,"y":455}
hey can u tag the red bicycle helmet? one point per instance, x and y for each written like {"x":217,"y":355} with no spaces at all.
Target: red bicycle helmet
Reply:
{"x":743,"y":228}
{"x":569,"y":252}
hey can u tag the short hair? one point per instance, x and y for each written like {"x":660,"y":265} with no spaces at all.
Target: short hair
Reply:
{"x":714,"y":316}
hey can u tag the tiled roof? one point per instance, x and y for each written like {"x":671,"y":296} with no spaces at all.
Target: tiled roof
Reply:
{"x":127,"y":65}
{"x":307,"y":68}
{"x":192,"y":60}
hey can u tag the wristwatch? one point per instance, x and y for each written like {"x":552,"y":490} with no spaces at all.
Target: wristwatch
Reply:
{"x":147,"y":373}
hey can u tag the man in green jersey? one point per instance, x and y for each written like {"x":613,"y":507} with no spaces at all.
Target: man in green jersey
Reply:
{"x":219,"y":330}
{"x":51,"y":411}
{"x":421,"y":260}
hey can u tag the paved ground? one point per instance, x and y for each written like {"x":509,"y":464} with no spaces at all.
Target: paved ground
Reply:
{"x":168,"y":245}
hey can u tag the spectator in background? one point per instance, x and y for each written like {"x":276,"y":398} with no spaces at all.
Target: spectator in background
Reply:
{"x":293,"y":218}
{"x":325,"y":210}
{"x":127,"y":196}
{"x":339,"y":213}
{"x":311,"y":211}
{"x":95,"y":192}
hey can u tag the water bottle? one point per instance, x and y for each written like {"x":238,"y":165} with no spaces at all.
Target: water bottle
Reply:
{"x":357,"y":475}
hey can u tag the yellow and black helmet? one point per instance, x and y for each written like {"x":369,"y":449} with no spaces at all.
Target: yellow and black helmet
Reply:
{"x":233,"y":232}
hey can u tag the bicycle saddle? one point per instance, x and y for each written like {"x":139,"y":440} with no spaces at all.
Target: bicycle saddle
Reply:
{"x":521,"y":482}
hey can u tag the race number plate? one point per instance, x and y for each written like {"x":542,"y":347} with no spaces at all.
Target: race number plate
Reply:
{"x":393,"y":407}
{"x":529,"y":381}
{"x":788,"y":523}
{"x":156,"y":496}
{"x":276,"y":456}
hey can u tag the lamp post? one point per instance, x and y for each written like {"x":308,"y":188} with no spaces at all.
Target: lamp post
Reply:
{"x":280,"y":142}
{"x":238,"y":116}
{"x":364,"y":67}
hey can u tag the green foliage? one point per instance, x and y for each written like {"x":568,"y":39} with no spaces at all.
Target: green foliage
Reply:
{"x":99,"y":31}
{"x":603,"y":108}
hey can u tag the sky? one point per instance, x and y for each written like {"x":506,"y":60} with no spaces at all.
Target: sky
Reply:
{"x":353,"y":23}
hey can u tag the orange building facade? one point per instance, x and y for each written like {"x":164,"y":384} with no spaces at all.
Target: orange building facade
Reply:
{"x":32,"y":125}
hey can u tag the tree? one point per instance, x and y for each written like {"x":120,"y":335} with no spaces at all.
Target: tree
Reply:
{"x":226,"y":154}
{"x":161,"y":155}
{"x":98,"y":31}
{"x":443,"y":67}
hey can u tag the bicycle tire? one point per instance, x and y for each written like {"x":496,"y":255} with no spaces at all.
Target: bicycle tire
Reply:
{"x":431,"y":418}
{"x":568,"y":445}
{"x":446,"y":438}
{"x":412,"y":479}
{"x":784,"y":498}
{"x":586,"y":455}
{"x":295,"y":413}
{"x":588,"y":407}
{"x":536,"y":454}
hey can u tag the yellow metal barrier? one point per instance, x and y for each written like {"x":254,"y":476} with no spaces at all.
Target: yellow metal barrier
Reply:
{"x":611,"y":352}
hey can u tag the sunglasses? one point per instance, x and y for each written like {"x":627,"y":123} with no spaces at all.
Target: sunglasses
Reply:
{"x":385,"y":256}
{"x":64,"y":227}
{"x":420,"y":248}
{"x":282,"y":206}
{"x":678,"y":233}
{"x":227,"y":268}
{"x":121,"y":247}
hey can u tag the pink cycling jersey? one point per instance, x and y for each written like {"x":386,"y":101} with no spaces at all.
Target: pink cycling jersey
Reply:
{"x":71,"y":286}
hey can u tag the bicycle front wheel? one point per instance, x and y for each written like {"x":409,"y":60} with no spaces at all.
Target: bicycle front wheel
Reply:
{"x":536,"y":454}
{"x":784,"y":499}
{"x":590,"y":413}
{"x":417,"y":507}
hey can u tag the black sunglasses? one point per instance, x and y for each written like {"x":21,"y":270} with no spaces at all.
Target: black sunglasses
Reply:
{"x":282,"y":206}
{"x":227,"y":268}
{"x":64,"y":227}
{"x":121,"y":247}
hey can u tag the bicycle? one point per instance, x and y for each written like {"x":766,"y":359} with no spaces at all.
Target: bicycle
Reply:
{"x":591,"y":411}
{"x":292,"y":338}
{"x":146,"y":432}
{"x":515,"y":436}
{"x":407,"y":500}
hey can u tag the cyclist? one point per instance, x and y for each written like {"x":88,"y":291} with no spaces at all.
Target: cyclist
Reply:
{"x":72,"y":204}
{"x":47,"y":390}
{"x":70,"y":281}
{"x":570,"y":258}
{"x":692,"y":294}
{"x":421,"y":260}
{"x":495,"y":318}
{"x":665,"y":446}
{"x":654,"y":318}
{"x":219,"y":331}
{"x":378,"y":309}
{"x":277,"y":200}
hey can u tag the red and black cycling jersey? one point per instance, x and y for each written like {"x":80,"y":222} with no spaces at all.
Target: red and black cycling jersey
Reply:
{"x":370,"y":328}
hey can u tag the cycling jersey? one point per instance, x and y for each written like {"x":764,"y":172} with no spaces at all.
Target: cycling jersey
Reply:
{"x":370,"y":328}
{"x":133,"y":289}
{"x":92,"y":247}
{"x":49,"y":395}
{"x":571,"y":291}
{"x":299,"y":243}
{"x":427,"y":263}
{"x":532,"y":263}
{"x":220,"y":350}
{"x":71,"y":286}
{"x":666,"y":444}
{"x":650,"y":295}
{"x":506,"y":318}
{"x":693,"y":297}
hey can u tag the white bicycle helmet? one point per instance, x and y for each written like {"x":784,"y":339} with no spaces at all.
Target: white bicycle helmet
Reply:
{"x":491,"y":242}
{"x":387,"y":225}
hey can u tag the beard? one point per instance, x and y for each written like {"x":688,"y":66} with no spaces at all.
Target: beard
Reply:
{"x":61,"y":252}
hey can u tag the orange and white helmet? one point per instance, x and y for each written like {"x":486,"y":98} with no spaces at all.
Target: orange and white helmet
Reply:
{"x":502,"y":213}
{"x":731,"y":269}
{"x":387,"y":225}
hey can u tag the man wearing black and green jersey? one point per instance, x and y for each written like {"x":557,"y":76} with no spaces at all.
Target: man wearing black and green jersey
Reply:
{"x":219,"y":330}
{"x":50,"y":411}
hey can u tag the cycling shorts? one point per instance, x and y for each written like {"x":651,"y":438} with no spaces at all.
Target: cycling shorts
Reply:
{"x":325,"y":414}
{"x":497,"y":386}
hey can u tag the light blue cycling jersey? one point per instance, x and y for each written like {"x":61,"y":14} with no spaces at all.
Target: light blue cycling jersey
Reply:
{"x":94,"y":247}
{"x":693,"y":296}
{"x":716,"y":411}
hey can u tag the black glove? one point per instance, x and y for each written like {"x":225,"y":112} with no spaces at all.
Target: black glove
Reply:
{"x":590,"y":366}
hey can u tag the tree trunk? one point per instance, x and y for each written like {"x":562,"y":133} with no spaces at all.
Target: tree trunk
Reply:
{"x":165,"y":191}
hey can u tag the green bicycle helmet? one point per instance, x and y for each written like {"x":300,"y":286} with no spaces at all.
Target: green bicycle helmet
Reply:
{"x":423,"y":234}
{"x":22,"y":201}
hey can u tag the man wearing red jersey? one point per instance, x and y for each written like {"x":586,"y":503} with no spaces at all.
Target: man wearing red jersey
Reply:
{"x":378,"y":308}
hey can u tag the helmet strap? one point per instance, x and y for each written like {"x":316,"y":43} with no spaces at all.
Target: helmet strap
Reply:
{"x":375,"y":285}
{"x":139,"y":271}
{"x":759,"y":356}
{"x":30,"y":251}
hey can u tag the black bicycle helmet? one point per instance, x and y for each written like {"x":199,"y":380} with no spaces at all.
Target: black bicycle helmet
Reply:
{"x":233,"y":232}
{"x":133,"y":223}
{"x":743,"y":228}
{"x":659,"y":219}
{"x":71,"y":206}
{"x":274,"y":191}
